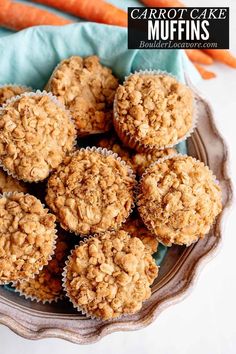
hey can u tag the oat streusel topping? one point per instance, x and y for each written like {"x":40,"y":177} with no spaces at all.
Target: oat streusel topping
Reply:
{"x":90,"y":192}
{"x":47,"y":285}
{"x":27,"y":236}
{"x":111,"y":142}
{"x":155,"y":110}
{"x":110,"y":275}
{"x":138,"y":161}
{"x":179,"y":200}
{"x":87,"y":89}
{"x":136,"y":228}
{"x":9,"y":91}
{"x":35,"y":135}
{"x":10,"y":184}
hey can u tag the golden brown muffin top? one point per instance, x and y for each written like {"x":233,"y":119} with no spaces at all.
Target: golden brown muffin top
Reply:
{"x":87,"y":89}
{"x":179,"y":200}
{"x":110,"y":275}
{"x":47,"y":285}
{"x":35,"y":135}
{"x":155,"y":110}
{"x":136,"y":228}
{"x":9,"y":91}
{"x":27,"y":236}
{"x":91,"y":192}
{"x":10,"y":184}
{"x":138,"y":161}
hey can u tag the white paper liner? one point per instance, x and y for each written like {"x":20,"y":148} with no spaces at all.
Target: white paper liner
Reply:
{"x":64,"y":279}
{"x":138,"y":193}
{"x":35,"y":298}
{"x":81,"y":133}
{"x":8,"y":194}
{"x":37,"y":93}
{"x":106,"y":152}
{"x":130,"y":140}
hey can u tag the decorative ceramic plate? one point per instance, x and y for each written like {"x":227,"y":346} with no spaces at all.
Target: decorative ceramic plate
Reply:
{"x":177,"y":272}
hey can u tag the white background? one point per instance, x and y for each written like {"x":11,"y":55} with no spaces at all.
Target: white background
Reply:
{"x":205,"y":322}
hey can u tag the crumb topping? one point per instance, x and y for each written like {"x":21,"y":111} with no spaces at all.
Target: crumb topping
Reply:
{"x":179,"y":200}
{"x":10,"y":184}
{"x":156,"y":110}
{"x":136,"y":228}
{"x":91,"y":192}
{"x":9,"y":91}
{"x":138,"y":161}
{"x":27,"y":235}
{"x":35,"y":135}
{"x":47,"y":285}
{"x":111,"y":275}
{"x":111,"y":142}
{"x":87,"y":89}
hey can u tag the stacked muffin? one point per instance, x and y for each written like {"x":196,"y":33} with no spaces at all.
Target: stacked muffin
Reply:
{"x":92,"y":191}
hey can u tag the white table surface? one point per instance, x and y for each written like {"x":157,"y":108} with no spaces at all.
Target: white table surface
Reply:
{"x":205,"y":321}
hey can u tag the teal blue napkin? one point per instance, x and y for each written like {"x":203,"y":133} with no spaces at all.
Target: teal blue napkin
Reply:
{"x":29,"y":56}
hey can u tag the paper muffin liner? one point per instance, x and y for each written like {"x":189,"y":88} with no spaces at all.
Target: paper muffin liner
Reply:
{"x":35,"y":298}
{"x":130,"y":140}
{"x":84,"y":132}
{"x":54,"y":99}
{"x":214,"y":179}
{"x":64,"y":285}
{"x":106,"y":152}
{"x":4,"y":282}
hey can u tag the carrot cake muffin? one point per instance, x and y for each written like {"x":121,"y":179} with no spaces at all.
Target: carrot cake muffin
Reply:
{"x":9,"y":91}
{"x":110,"y":275}
{"x":10,"y":184}
{"x":27,"y":236}
{"x":87,"y":89}
{"x":136,"y":228}
{"x":35,"y":135}
{"x":47,"y":285}
{"x":111,"y":142}
{"x":91,"y":192}
{"x":152,"y":111}
{"x":138,"y":161}
{"x":179,"y":200}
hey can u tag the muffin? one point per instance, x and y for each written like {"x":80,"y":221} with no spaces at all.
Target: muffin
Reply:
{"x":91,"y":192}
{"x":179,"y":200}
{"x":27,"y":236}
{"x":138,"y":161}
{"x":47,"y":285}
{"x":10,"y":184}
{"x":87,"y":89}
{"x":35,"y":135}
{"x":111,"y":142}
{"x":153,"y":111}
{"x":142,"y":160}
{"x":9,"y":91}
{"x":136,"y":228}
{"x":110,"y":275}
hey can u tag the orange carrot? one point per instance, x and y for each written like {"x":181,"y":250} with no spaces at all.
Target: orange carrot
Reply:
{"x":206,"y":75}
{"x":197,"y":55}
{"x":17,"y":16}
{"x":97,"y":11}
{"x":163,"y":3}
{"x":223,"y":56}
